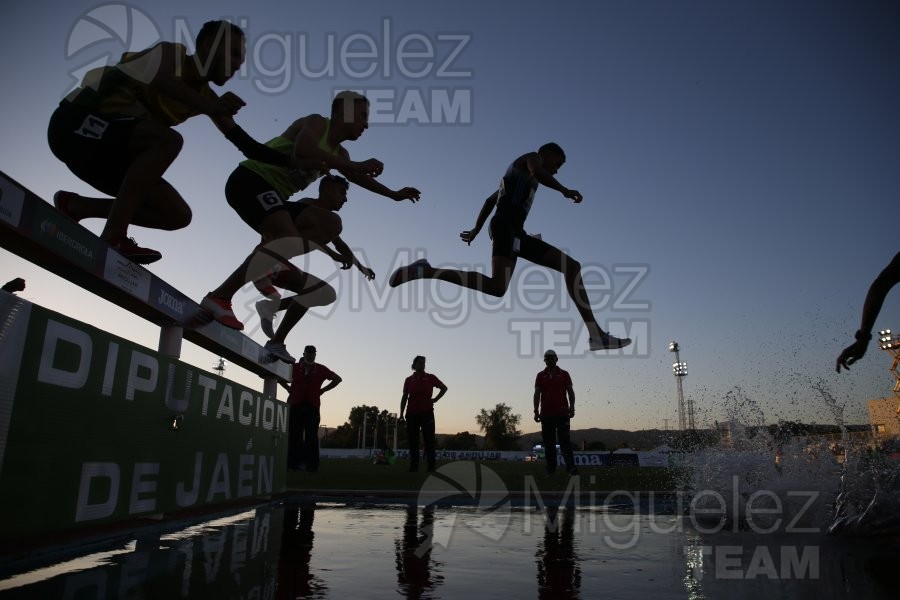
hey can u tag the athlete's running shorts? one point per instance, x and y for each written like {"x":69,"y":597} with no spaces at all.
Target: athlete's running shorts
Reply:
{"x":92,"y":144}
{"x":511,"y":241}
{"x":252,"y":197}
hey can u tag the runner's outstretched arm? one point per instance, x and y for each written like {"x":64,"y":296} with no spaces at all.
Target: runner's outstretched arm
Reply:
{"x":880,"y":287}
{"x":346,"y":252}
{"x":373,"y":185}
{"x":249,"y":147}
{"x":469,"y":236}
{"x":537,"y":170}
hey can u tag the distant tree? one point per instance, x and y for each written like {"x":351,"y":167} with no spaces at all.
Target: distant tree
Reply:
{"x":460,"y":441}
{"x":379,"y":430}
{"x":500,"y":427}
{"x":344,"y":436}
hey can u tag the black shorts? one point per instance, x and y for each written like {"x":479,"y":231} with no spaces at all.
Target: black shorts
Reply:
{"x":297,"y":207}
{"x":511,"y":241}
{"x":93,"y":145}
{"x":252,"y":197}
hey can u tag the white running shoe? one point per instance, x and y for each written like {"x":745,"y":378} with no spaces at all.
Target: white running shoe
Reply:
{"x":267,"y":309}
{"x":607,"y":342}
{"x":279,"y":351}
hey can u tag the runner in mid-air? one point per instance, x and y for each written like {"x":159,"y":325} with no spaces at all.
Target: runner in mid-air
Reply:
{"x":259,"y":192}
{"x":510,"y":242}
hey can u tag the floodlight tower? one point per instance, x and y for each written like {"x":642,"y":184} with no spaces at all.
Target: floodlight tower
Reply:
{"x":679,"y":368}
{"x":891,"y":343}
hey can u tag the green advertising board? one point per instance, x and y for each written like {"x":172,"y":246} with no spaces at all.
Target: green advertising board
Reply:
{"x":95,"y":429}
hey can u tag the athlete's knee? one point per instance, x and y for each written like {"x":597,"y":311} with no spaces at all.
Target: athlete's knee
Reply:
{"x":181,"y":217}
{"x":173,"y":141}
{"x":495,"y":287}
{"x":167,"y":143}
{"x":329,"y":294}
{"x":318,"y":294}
{"x":171,"y":209}
{"x":571,"y":267}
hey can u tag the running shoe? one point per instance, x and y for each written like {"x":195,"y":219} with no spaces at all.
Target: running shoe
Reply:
{"x":279,"y":351}
{"x":62,"y":200}
{"x":607,"y":342}
{"x":221,"y":311}
{"x":267,"y":309}
{"x":413,"y":270}
{"x":128,"y":248}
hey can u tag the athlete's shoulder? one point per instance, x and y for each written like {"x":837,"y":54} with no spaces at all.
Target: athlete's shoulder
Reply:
{"x":520,"y":165}
{"x":310,"y":125}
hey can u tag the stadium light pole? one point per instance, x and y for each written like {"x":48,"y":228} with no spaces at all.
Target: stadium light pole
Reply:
{"x":396,"y":418}
{"x":890,"y":342}
{"x":679,"y":368}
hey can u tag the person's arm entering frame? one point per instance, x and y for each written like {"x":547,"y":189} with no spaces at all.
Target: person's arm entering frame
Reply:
{"x":879,"y":289}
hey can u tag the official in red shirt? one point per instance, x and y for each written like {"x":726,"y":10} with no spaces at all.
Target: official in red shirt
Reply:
{"x":554,"y":405}
{"x":419,"y":410}
{"x":304,"y":400}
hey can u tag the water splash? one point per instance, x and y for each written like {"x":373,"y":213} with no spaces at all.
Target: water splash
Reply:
{"x":758,"y":480}
{"x":765,"y":477}
{"x":869,"y":498}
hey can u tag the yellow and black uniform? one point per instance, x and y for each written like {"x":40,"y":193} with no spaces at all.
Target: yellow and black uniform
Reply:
{"x":93,"y":125}
{"x":256,"y":189}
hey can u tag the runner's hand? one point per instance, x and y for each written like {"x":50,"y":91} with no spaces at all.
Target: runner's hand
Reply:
{"x":407,"y":193}
{"x":226,"y":105}
{"x":369,"y":273}
{"x":468,"y":236}
{"x":573,"y":195}
{"x":851,"y":354}
{"x":345,"y":260}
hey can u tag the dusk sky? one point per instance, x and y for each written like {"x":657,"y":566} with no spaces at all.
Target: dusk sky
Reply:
{"x":738,"y":161}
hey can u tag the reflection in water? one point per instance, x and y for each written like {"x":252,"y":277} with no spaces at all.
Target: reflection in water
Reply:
{"x":269,"y":554}
{"x":413,"y":555}
{"x":693,"y":559}
{"x":558,"y":567}
{"x":295,"y":579}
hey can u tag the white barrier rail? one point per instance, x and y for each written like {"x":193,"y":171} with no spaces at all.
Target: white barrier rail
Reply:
{"x":36,"y":231}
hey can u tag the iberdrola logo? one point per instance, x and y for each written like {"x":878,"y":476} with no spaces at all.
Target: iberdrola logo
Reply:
{"x":467,"y":483}
{"x":49,"y":227}
{"x":100,"y":37}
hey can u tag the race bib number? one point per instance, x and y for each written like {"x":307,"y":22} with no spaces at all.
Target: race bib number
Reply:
{"x":269,"y":200}
{"x":93,"y":127}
